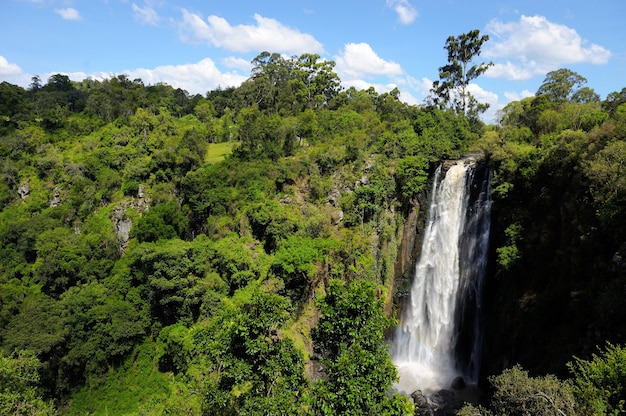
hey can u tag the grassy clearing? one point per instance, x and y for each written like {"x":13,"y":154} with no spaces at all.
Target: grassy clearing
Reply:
{"x":216,"y":152}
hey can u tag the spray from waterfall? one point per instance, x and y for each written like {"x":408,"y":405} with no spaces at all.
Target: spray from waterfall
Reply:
{"x":439,"y":335}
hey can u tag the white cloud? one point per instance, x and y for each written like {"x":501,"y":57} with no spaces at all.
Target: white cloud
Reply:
{"x":7,"y":69}
{"x":358,"y":60}
{"x":145,"y":15}
{"x":237,"y":63}
{"x":407,"y":97}
{"x":196,"y":78}
{"x":483,"y":96}
{"x":360,"y":67}
{"x":420,"y":86}
{"x":13,"y":74}
{"x":514,"y":71}
{"x":267,"y":35}
{"x":534,"y":46}
{"x":517,"y":96}
{"x":68,"y":13}
{"x":405,"y":10}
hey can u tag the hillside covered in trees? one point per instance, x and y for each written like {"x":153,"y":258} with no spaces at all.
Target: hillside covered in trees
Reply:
{"x":237,"y":253}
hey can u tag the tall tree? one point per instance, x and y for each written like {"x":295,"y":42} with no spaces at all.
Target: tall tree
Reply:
{"x":452,"y":88}
{"x":564,"y":85}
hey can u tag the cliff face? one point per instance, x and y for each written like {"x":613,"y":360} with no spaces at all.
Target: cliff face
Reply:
{"x":408,"y":251}
{"x":561,"y":294}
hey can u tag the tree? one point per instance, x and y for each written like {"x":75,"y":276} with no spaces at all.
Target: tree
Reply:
{"x":563,"y":85}
{"x":516,"y":393}
{"x":606,"y":170}
{"x":349,"y":340}
{"x":600,"y":383}
{"x":614,"y":100}
{"x":452,"y":88}
{"x":317,"y":81}
{"x":177,"y":278}
{"x":162,"y":222}
{"x":13,"y":105}
{"x":252,"y":367}
{"x":19,"y":379}
{"x":102,"y":327}
{"x":411,"y":175}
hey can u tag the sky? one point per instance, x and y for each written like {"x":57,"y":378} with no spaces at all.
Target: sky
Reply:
{"x":202,"y":45}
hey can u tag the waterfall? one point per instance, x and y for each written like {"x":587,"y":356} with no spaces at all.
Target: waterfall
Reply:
{"x":439,"y":334}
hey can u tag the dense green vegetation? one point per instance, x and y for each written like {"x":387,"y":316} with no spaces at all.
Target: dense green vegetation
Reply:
{"x":235,"y":253}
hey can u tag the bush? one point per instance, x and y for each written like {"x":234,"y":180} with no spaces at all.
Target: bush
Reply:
{"x":516,"y":393}
{"x":600,"y":384}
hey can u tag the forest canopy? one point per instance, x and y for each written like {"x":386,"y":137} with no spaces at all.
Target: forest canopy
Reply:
{"x":132,"y":255}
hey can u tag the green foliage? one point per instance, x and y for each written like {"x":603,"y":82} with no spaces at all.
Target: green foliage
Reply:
{"x":19,"y":379}
{"x":136,"y":387}
{"x":600,"y":383}
{"x":296,"y":260}
{"x":162,"y":222}
{"x":559,"y":224}
{"x":559,"y":85}
{"x":509,"y":254}
{"x":412,"y":174}
{"x":358,"y":373}
{"x":227,"y":250}
{"x":251,"y":369}
{"x":38,"y":326}
{"x":607,"y":170}
{"x":271,"y":223}
{"x":102,"y":329}
{"x":175,"y":277}
{"x":65,"y":258}
{"x":238,"y":261}
{"x":516,"y":393}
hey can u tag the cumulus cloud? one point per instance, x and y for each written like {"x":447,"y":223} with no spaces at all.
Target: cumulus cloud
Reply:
{"x":145,"y":15}
{"x":360,"y":67}
{"x":484,"y":96}
{"x":12,"y":73}
{"x":195,"y":78}
{"x":517,"y":96}
{"x":68,"y":13}
{"x":421,"y":86}
{"x":359,"y":60}
{"x":237,"y":63}
{"x":266,"y":35}
{"x":481,"y":95}
{"x":407,"y":97}
{"x":7,"y":68}
{"x":534,"y":46}
{"x":405,"y":10}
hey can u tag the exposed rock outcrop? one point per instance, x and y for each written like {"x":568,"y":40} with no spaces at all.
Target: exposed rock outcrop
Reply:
{"x":23,"y":190}
{"x":441,"y":403}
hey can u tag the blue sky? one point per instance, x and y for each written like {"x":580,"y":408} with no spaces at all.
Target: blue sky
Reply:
{"x":200,"y":45}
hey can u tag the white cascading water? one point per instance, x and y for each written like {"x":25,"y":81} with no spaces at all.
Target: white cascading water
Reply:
{"x":423,"y":347}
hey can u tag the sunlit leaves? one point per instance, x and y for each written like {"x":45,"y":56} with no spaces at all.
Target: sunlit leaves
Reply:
{"x":349,"y":339}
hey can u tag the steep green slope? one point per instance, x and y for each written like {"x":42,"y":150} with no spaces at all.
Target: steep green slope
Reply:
{"x":160,"y":249}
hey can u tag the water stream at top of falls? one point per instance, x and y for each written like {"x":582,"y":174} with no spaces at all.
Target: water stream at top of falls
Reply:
{"x":442,"y":313}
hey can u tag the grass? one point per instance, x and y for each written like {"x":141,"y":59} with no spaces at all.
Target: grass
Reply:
{"x":216,"y":152}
